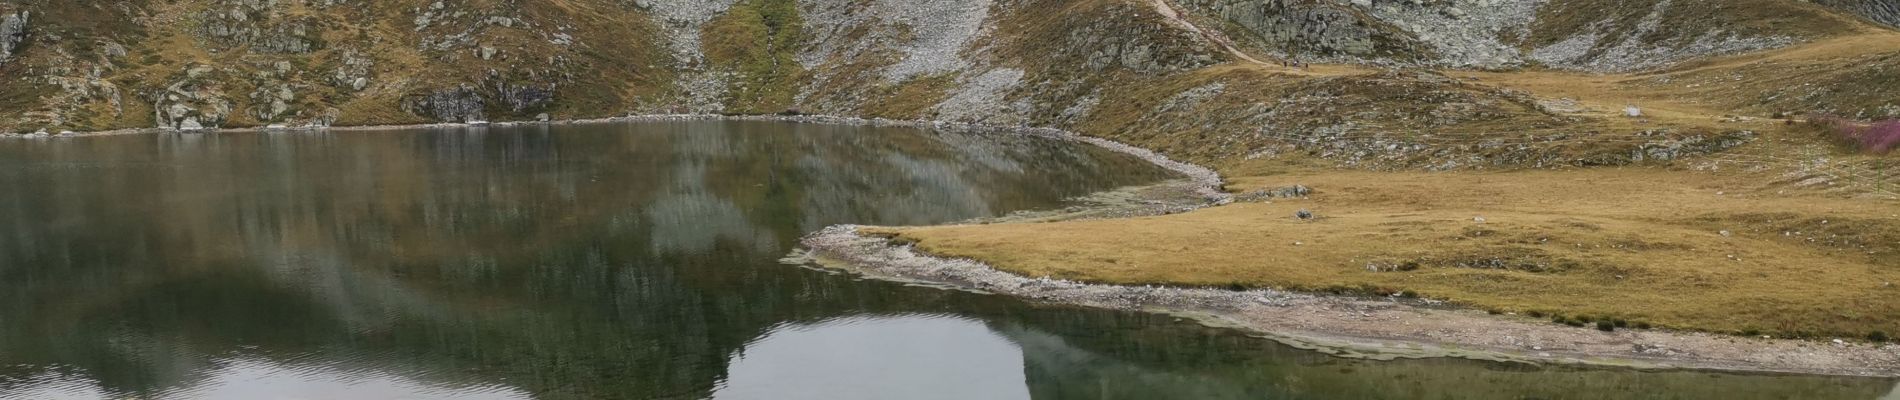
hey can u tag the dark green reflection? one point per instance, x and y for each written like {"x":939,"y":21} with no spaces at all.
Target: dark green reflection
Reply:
{"x":595,"y":261}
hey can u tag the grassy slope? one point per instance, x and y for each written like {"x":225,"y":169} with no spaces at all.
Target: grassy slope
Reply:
{"x":759,"y":40}
{"x":1639,"y":244}
{"x":1685,"y":21}
{"x":1813,"y":227}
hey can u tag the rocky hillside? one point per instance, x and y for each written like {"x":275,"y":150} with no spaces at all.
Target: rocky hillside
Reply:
{"x":1592,"y":35}
{"x":1202,"y":79}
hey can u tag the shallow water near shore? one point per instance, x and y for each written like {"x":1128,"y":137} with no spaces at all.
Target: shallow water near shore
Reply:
{"x":624,"y":260}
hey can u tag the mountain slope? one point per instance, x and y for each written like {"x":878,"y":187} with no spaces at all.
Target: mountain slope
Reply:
{"x":1201,"y":79}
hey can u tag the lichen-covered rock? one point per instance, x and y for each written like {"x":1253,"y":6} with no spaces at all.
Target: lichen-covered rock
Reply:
{"x":353,"y":72}
{"x":190,"y":109}
{"x":522,"y":98}
{"x":12,"y":34}
{"x":458,"y":104}
{"x":272,"y":101}
{"x":191,"y":103}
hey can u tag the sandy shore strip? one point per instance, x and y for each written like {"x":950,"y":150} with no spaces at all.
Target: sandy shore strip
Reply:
{"x":1375,"y":328}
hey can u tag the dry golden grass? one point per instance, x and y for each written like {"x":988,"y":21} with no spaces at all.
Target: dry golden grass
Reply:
{"x":1849,"y":69}
{"x":1636,"y":244}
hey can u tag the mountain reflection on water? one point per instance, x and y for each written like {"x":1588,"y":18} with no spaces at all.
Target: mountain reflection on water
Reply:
{"x":610,"y":261}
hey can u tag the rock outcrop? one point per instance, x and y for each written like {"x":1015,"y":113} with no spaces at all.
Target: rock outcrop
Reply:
{"x":12,"y":34}
{"x":458,"y":104}
{"x":193,"y":101}
{"x":1313,"y":30}
{"x":1882,"y":11}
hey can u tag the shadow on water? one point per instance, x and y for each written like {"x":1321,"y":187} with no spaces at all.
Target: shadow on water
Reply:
{"x":611,"y":261}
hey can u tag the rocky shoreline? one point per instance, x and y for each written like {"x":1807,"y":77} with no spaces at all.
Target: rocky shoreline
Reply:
{"x":1347,"y":326}
{"x":1365,"y":327}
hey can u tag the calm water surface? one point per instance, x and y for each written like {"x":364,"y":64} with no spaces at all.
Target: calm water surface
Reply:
{"x":634,"y":261}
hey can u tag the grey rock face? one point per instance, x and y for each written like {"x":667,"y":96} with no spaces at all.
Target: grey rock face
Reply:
{"x":1144,"y":48}
{"x":1639,"y":50}
{"x":461,"y":104}
{"x":12,"y":34}
{"x":192,"y":102}
{"x":1463,"y":33}
{"x":521,"y":98}
{"x":1305,"y":29}
{"x":1882,"y":11}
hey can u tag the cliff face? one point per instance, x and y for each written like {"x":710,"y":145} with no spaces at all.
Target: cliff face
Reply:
{"x":1105,"y":67}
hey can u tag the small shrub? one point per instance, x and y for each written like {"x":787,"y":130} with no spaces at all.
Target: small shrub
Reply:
{"x":1535,"y":314}
{"x":1606,"y":326}
{"x":1408,"y":294}
{"x":1882,"y":137}
{"x":1237,"y":286}
{"x":1751,"y":332}
{"x":1878,"y":337}
{"x":1620,"y":323}
{"x":1575,"y":322}
{"x":1494,"y":311}
{"x":1558,"y":319}
{"x":1877,"y":137}
{"x":1642,"y":325}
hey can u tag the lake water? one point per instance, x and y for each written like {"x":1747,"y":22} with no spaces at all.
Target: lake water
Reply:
{"x":614,"y":261}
